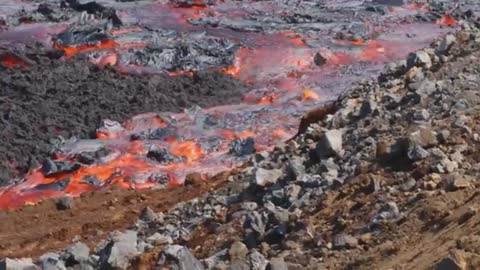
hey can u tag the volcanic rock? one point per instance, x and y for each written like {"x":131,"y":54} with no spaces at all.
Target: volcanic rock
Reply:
{"x":159,"y":239}
{"x":51,"y":261}
{"x":148,"y":215}
{"x":64,"y":203}
{"x":238,"y":251}
{"x":424,"y":137}
{"x":50,"y":167}
{"x":456,"y":181}
{"x":184,"y":259}
{"x":296,"y":169}
{"x":445,"y":44}
{"x":76,"y":253}
{"x":18,"y":264}
{"x":420,"y":59}
{"x":277,"y":264}
{"x":341,"y":241}
{"x":264,"y":177}
{"x":119,"y":251}
{"x":242,"y":147}
{"x":330,"y":144}
{"x":257,"y":260}
{"x":389,"y":212}
{"x":454,"y":261}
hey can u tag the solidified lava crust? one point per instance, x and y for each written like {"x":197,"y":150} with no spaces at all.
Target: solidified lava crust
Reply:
{"x":71,"y":99}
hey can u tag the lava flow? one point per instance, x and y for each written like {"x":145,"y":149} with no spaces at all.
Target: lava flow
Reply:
{"x":292,"y":61}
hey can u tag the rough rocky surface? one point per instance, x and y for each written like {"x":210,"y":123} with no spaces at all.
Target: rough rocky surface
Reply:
{"x":386,"y":180}
{"x":71,"y":99}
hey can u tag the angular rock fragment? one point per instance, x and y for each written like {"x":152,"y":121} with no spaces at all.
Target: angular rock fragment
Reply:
{"x":163,"y":156}
{"x":419,"y":59}
{"x":265,"y":177}
{"x":121,"y":248}
{"x":242,"y":147}
{"x":64,"y":203}
{"x":330,"y":144}
{"x":184,"y":258}
{"x":18,"y":264}
{"x":76,"y":253}
{"x":51,"y":167}
{"x":51,"y":261}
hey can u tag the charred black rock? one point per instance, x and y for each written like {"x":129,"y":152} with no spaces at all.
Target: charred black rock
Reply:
{"x":51,"y":167}
{"x":91,"y":180}
{"x":162,"y":155}
{"x":153,"y":134}
{"x":242,"y":147}
{"x":90,"y":7}
{"x":57,"y":185}
{"x":64,"y":203}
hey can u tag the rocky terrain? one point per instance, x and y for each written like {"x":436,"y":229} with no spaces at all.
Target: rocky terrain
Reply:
{"x":387,"y":181}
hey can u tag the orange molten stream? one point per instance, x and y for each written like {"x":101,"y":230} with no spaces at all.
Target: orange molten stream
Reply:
{"x":10,"y":61}
{"x":309,"y":94}
{"x":71,"y":51}
{"x":447,"y":20}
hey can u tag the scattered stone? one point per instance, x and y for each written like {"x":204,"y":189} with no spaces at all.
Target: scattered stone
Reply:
{"x":277,"y":264}
{"x":330,"y":144}
{"x":264,"y":177}
{"x":64,"y":203}
{"x":445,"y":45}
{"x":148,"y":215}
{"x":456,"y":181}
{"x":454,"y":261}
{"x":77,"y":253}
{"x":119,"y":251}
{"x":419,"y":59}
{"x":238,"y":251}
{"x":424,"y":137}
{"x":389,"y":212}
{"x":51,"y":261}
{"x":183,"y":257}
{"x":341,"y":241}
{"x":242,"y":147}
{"x":257,"y":260}
{"x":18,"y":264}
{"x":159,"y":239}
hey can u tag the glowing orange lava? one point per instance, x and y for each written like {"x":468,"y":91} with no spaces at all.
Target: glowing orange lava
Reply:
{"x":188,"y":149}
{"x":181,"y":72}
{"x":71,"y":51}
{"x":9,"y":60}
{"x":266,"y":99}
{"x":309,"y":94}
{"x":116,"y":32}
{"x":447,"y":20}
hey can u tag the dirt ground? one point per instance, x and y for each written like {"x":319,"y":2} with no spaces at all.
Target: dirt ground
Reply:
{"x":34,"y":230}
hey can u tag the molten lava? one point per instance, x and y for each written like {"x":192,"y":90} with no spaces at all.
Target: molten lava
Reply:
{"x":447,"y":20}
{"x":71,"y":51}
{"x":309,"y":94}
{"x":9,"y":60}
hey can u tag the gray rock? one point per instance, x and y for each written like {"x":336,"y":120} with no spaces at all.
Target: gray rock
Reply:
{"x":389,"y":212}
{"x":77,"y":252}
{"x":257,"y":222}
{"x":183,"y":257}
{"x":445,"y":44}
{"x":424,"y":88}
{"x":148,"y":215}
{"x":121,"y":248}
{"x":456,"y":181}
{"x":341,"y":241}
{"x":296,"y":169}
{"x":64,"y":203}
{"x":421,"y":115}
{"x":416,"y":153}
{"x":454,"y":261}
{"x":265,"y":177}
{"x":239,"y":265}
{"x":238,"y":251}
{"x":212,"y":261}
{"x":249,"y":206}
{"x":159,"y":239}
{"x":419,"y":59}
{"x":330,"y":144}
{"x":408,"y":185}
{"x":424,"y":137}
{"x":51,"y":261}
{"x":18,"y":264}
{"x":257,"y":260}
{"x":277,"y":264}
